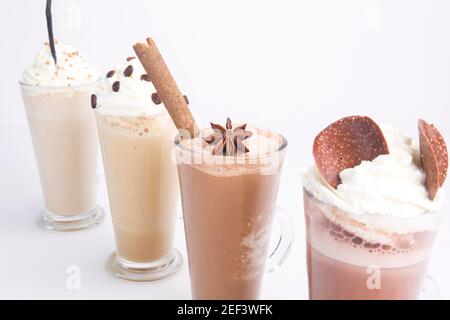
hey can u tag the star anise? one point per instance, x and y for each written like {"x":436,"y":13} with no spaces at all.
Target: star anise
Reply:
{"x":228,"y":141}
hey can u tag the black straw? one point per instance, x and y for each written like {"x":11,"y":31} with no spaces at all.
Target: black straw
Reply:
{"x":48,"y":15}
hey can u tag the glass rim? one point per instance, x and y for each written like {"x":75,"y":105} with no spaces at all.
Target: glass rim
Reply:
{"x":28,"y":85}
{"x":110,"y":98}
{"x":378,"y":217}
{"x":282,"y":146}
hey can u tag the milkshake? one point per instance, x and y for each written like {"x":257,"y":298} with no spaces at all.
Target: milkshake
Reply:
{"x":136,"y":136}
{"x":371,"y":236}
{"x":229,"y":198}
{"x":62,"y":127}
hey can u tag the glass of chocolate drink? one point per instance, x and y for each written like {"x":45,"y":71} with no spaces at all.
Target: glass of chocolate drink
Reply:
{"x":366,"y":258}
{"x":372,"y":212}
{"x":229,"y":177}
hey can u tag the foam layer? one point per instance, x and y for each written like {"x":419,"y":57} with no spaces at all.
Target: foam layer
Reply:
{"x":127,"y":106}
{"x":337,"y":235}
{"x":263,"y":156}
{"x":71,"y":70}
{"x":142,"y":126}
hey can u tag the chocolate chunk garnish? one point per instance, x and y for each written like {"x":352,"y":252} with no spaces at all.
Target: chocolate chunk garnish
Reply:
{"x":335,"y":227}
{"x":345,"y":144}
{"x":145,"y":77}
{"x":348,"y":234}
{"x":128,"y":71}
{"x":433,"y":157}
{"x":186,"y":99}
{"x":116,"y":86}
{"x":130,"y":58}
{"x":156,"y":99}
{"x":357,"y":240}
{"x":93,"y":101}
{"x":110,"y":74}
{"x":228,"y":141}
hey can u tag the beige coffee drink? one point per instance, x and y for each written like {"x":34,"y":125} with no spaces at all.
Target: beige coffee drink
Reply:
{"x":136,"y":136}
{"x":62,"y":127}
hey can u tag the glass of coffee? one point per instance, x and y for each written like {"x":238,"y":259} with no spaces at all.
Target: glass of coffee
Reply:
{"x":63,"y":132}
{"x":136,"y":137}
{"x":143,"y":189}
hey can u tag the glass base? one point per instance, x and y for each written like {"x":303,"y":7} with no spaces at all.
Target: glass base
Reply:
{"x":56,"y":222}
{"x":430,"y":289}
{"x":145,"y":272}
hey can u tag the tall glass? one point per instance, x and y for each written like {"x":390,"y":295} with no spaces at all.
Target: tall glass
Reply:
{"x":143,"y":194}
{"x":63,"y":132}
{"x":228,"y":207}
{"x":366,"y":257}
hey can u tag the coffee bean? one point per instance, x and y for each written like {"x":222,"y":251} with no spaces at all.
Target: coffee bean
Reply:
{"x":128,"y":71}
{"x":156,"y":99}
{"x":130,"y":58}
{"x":145,"y":77}
{"x":110,"y":74}
{"x":93,"y":101}
{"x":116,"y":86}
{"x":186,"y":99}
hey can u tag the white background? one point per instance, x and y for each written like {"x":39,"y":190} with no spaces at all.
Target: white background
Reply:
{"x":293,"y":66}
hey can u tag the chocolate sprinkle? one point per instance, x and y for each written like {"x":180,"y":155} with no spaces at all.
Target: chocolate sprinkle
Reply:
{"x":128,"y":71}
{"x":145,"y":77}
{"x":116,"y":86}
{"x":93,"y":101}
{"x":130,"y":58}
{"x":186,"y":99}
{"x":156,"y":99}
{"x":110,"y":74}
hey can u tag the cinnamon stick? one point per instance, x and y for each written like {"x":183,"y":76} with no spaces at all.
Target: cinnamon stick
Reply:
{"x":166,"y":86}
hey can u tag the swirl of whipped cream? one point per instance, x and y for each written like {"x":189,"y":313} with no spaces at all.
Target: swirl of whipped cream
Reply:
{"x":391,"y":185}
{"x":124,"y":91}
{"x":71,"y":69}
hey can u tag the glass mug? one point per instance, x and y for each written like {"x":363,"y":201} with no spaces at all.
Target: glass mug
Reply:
{"x":373,"y":257}
{"x":228,"y":206}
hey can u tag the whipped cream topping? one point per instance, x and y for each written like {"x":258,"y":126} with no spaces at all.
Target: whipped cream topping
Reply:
{"x":391,"y":185}
{"x":71,"y":69}
{"x":132,"y":97}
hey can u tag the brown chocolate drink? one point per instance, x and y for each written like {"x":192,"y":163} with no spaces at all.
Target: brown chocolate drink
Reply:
{"x":370,"y":217}
{"x":343,"y":265}
{"x":228,"y":205}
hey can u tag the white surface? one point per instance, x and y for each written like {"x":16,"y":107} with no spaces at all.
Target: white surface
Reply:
{"x":293,"y":66}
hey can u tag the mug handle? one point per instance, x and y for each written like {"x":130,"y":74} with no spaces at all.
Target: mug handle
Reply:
{"x":285,"y":241}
